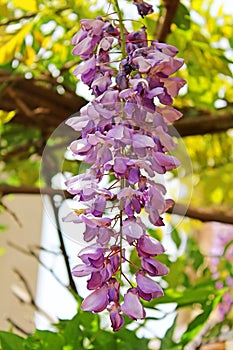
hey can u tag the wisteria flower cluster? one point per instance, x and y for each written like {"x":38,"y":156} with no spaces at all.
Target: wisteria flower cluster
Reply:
{"x":125,"y":140}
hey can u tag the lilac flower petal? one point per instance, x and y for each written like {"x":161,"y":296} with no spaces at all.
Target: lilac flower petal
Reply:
{"x":126,"y":93}
{"x":113,"y":290}
{"x":169,"y":113}
{"x":96,"y":301}
{"x":79,"y":36}
{"x":95,"y":281}
{"x":132,"y":306}
{"x":165,"y":139}
{"x":80,"y":147}
{"x":173,"y":85}
{"x":170,"y":66}
{"x":132,"y":229}
{"x":120,"y":165}
{"x":134,"y":175}
{"x":78,"y":123}
{"x":72,"y":217}
{"x":106,"y":43}
{"x":149,"y":246}
{"x":143,"y":64}
{"x":117,"y":320}
{"x":104,"y":235}
{"x":90,"y":233}
{"x":166,"y":49}
{"x":92,"y":252}
{"x":154,"y":267}
{"x":85,"y":47}
{"x":116,"y":132}
{"x":94,"y":221}
{"x":165,"y":160}
{"x":83,"y":270}
{"x":142,"y":141}
{"x":143,"y":7}
{"x":100,"y":84}
{"x":95,"y":26}
{"x":148,"y":286}
{"x":85,"y":66}
{"x":98,"y":206}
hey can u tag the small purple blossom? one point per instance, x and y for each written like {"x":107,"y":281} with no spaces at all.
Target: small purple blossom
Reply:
{"x":132,"y":306}
{"x":147,"y":288}
{"x":143,"y":7}
{"x":97,"y":301}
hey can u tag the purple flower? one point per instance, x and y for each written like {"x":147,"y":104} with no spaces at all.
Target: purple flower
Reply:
{"x":101,"y":84}
{"x":98,"y":206}
{"x":162,"y":162}
{"x":113,"y":290}
{"x":90,"y":233}
{"x":117,"y":320}
{"x":95,"y":281}
{"x":83,"y":270}
{"x":154,"y":267}
{"x":134,"y":40}
{"x":132,"y":306}
{"x":96,"y":301}
{"x":104,"y":235}
{"x":92,"y":255}
{"x":143,"y":7}
{"x":148,"y":246}
{"x":94,"y":221}
{"x":85,"y":47}
{"x":147,"y":288}
{"x":87,"y":70}
{"x":132,"y":230}
{"x":93,"y":26}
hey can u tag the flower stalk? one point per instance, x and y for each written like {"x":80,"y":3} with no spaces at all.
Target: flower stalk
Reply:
{"x":122,"y":28}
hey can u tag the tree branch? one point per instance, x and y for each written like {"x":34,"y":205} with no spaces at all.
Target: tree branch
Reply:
{"x":202,"y":214}
{"x":19,"y":328}
{"x":10,"y":212}
{"x":30,"y":252}
{"x":166,"y":20}
{"x":5,"y":22}
{"x":201,"y":125}
{"x":6,"y":189}
{"x":32,"y":299}
{"x":63,"y":248}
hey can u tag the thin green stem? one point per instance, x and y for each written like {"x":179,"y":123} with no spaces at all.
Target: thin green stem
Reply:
{"x":122,"y":28}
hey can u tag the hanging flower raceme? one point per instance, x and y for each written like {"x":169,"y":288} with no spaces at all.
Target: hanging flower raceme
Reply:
{"x":124,"y":139}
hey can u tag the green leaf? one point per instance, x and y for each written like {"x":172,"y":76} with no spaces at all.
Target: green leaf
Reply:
{"x":227,"y":246}
{"x":176,"y":276}
{"x":5,"y":116}
{"x":45,"y":340}
{"x":11,"y":43}
{"x":182,"y":17}
{"x":197,"y":324}
{"x":176,"y":237}
{"x":10,"y":341}
{"x":29,"y":5}
{"x":72,"y":334}
{"x":198,"y":294}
